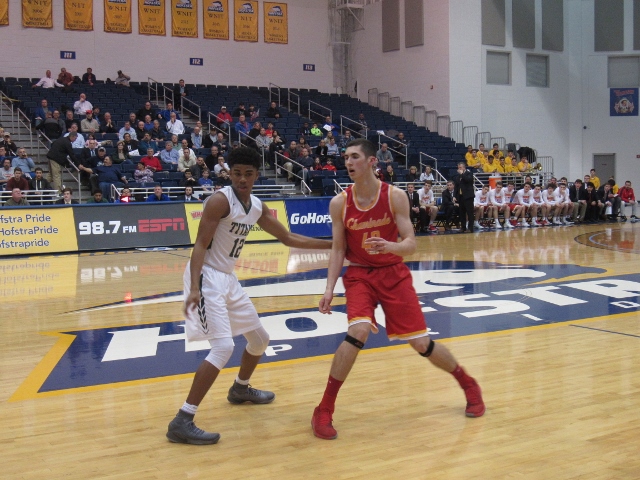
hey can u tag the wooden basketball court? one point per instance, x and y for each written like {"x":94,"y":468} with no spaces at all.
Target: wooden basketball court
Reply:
{"x":551,"y":332}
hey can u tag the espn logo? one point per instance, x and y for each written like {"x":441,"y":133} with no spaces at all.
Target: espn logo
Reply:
{"x":160,"y":225}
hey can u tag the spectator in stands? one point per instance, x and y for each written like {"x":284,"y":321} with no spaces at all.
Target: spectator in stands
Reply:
{"x":333,"y":151}
{"x":329,"y":126}
{"x":224,"y":118}
{"x":205,"y":181}
{"x":222,"y":181}
{"x":70,"y":120}
{"x":362,"y":121}
{"x":491,"y":166}
{"x":305,"y":130}
{"x":384,"y":155}
{"x":306,"y":163}
{"x":127,"y":129}
{"x":89,"y":124}
{"x":186,"y":159}
{"x":501,"y":167}
{"x":174,"y":125}
{"x":23,"y":161}
{"x":107,"y":125}
{"x":2,"y":152}
{"x":292,"y":153}
{"x":473,"y":161}
{"x":6,"y":172}
{"x":427,"y":174}
{"x":146,"y":143}
{"x":146,"y":109}
{"x":180,"y":91}
{"x":627,"y":197}
{"x":166,"y":113}
{"x":89,"y":78}
{"x":495,"y":151}
{"x":316,"y":131}
{"x":412,"y":175}
{"x":81,"y":105}
{"x":401,"y":143}
{"x":67,"y":198}
{"x":53,"y":126}
{"x":608,"y":199}
{"x":139,"y":129}
{"x":65,"y":78}
{"x":317,"y":165}
{"x":263,"y":142}
{"x":184,"y":143}
{"x":97,"y":197}
{"x":122,"y":80}
{"x":10,"y":148}
{"x":322,"y":151}
{"x":47,"y":81}
{"x":156,"y":132}
{"x":594,"y":179}
{"x":169,"y":155}
{"x":38,"y":182}
{"x":428,"y":209}
{"x":211,"y":160}
{"x":274,"y":111}
{"x":130,"y":145}
{"x":593,"y":208}
{"x":89,"y":160}
{"x":449,"y":205}
{"x":242,"y":126}
{"x":18,"y":180}
{"x":17,"y":199}
{"x":389,"y":175}
{"x":125,"y":196}
{"x":148,"y":123}
{"x":222,"y":143}
{"x":122,"y":154}
{"x":524,"y":166}
{"x":59,"y":154}
{"x":158,"y":196}
{"x":482,"y":154}
{"x":79,"y":141}
{"x":345,"y":139}
{"x":221,"y":166}
{"x":577,"y":195}
{"x":196,"y":138}
{"x":143,"y":174}
{"x":105,"y":175}
{"x":329,"y":165}
{"x":41,"y":113}
{"x":188,"y":195}
{"x":198,"y":168}
{"x":188,"y":180}
{"x":240,"y":110}
{"x":151,"y":161}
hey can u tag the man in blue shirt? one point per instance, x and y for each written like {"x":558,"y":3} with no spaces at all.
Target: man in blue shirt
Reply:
{"x":166,"y":114}
{"x":103,"y":176}
{"x":169,"y":155}
{"x":242,"y":126}
{"x":25,"y":163}
{"x":158,"y":196}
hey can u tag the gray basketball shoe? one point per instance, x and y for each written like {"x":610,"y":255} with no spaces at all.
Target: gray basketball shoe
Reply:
{"x":183,"y":430}
{"x":246,"y":393}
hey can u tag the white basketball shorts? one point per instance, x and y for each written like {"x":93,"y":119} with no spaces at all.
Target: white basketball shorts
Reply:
{"x":224,"y":310}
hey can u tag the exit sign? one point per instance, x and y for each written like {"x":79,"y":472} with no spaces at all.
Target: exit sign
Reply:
{"x":196,"y":61}
{"x":309,"y":67}
{"x":67,"y":55}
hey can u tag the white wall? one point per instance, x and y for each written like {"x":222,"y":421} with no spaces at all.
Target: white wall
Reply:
{"x":407,"y":73}
{"x":28,"y":52}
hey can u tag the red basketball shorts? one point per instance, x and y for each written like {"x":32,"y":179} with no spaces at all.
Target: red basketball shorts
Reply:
{"x":392,"y":288}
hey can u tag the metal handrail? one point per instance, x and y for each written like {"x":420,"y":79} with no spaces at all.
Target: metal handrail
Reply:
{"x":162,"y":93}
{"x":422,"y":165}
{"x":43,"y":196}
{"x":274,"y":88}
{"x":24,"y":121}
{"x":240,"y":136}
{"x":285,"y":160}
{"x":194,"y":109}
{"x":152,"y":86}
{"x":319,"y":113}
{"x":501,"y":141}
{"x":214,"y":124}
{"x":290,"y":102}
{"x":343,"y":126}
{"x":395,"y":140}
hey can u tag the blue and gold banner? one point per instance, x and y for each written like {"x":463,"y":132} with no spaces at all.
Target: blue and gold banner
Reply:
{"x":624,"y":102}
{"x":4,"y":12}
{"x":245,"y":21}
{"x":215,"y":19}
{"x":276,"y":23}
{"x":117,"y":16}
{"x":37,"y":13}
{"x":151,"y":17}
{"x":184,"y":18}
{"x":78,"y":15}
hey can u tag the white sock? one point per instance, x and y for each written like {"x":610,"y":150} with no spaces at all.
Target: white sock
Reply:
{"x":188,"y":408}
{"x":241,"y":382}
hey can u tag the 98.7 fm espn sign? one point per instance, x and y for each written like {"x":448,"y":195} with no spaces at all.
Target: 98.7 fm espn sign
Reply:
{"x":135,"y":225}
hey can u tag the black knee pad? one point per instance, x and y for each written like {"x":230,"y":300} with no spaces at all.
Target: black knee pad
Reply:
{"x":430,"y":348}
{"x":354,"y":341}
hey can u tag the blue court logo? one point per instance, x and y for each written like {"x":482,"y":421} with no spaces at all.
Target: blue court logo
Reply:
{"x":457,"y":298}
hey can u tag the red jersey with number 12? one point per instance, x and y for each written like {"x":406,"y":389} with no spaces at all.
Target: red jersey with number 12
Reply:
{"x":375,"y":220}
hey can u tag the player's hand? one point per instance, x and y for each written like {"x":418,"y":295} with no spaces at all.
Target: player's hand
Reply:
{"x":377,"y":245}
{"x":191,"y":302}
{"x":325,"y":303}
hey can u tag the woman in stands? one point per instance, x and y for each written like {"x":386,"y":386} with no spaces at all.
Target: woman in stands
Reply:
{"x":143,"y":174}
{"x":121,"y":155}
{"x":317,"y":164}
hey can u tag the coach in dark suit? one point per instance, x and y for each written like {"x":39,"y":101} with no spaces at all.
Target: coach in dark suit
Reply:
{"x":464,"y":192}
{"x":179,"y":91}
{"x":414,"y":203}
{"x":449,"y":204}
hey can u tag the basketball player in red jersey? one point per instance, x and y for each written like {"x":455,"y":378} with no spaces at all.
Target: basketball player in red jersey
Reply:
{"x":367,"y":220}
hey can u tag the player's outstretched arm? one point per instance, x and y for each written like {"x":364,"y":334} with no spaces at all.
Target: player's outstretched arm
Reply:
{"x":338,"y":251}
{"x":271,"y":225}
{"x":215,"y":208}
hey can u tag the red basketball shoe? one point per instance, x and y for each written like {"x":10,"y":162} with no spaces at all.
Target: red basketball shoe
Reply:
{"x":322,"y":425}
{"x":475,"y":405}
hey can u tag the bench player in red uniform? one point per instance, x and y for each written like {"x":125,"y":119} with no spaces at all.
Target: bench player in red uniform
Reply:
{"x":367,"y":220}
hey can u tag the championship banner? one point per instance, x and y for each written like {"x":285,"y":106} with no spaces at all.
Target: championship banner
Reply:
{"x":216,"y":19}
{"x":78,"y":15}
{"x":624,"y":102}
{"x":276,"y":23}
{"x":184,"y":18}
{"x":245,"y":21}
{"x":117,"y":16}
{"x":151,"y":17}
{"x":37,"y":13}
{"x":4,"y":12}
{"x":37,"y":230}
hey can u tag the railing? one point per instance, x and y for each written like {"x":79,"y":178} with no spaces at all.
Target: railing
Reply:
{"x":469,"y":136}
{"x":192,"y":108}
{"x":424,"y":164}
{"x":384,"y":102}
{"x":395,"y":141}
{"x":406,"y":109}
{"x":34,"y":197}
{"x":274,"y":92}
{"x":293,"y":99}
{"x":319,"y":113}
{"x":25,"y":122}
{"x":158,"y":93}
{"x":443,"y":125}
{"x":484,"y":138}
{"x":418,"y":115}
{"x":431,"y":120}
{"x":456,"y":129}
{"x":262,"y":191}
{"x":394,"y":107}
{"x":214,"y":124}
{"x":280,"y":160}
{"x":372,"y":95}
{"x":546,"y":162}
{"x":501,"y":141}
{"x":355,"y":133}
{"x":248,"y":141}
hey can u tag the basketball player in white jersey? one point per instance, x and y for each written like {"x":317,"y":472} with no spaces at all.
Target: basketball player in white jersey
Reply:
{"x":499,"y":199}
{"x":215,"y":306}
